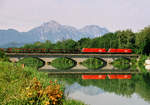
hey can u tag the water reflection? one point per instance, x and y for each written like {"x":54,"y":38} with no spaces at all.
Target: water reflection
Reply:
{"x":135,"y":91}
{"x":132,"y":91}
{"x":106,"y":98}
{"x":87,"y":90}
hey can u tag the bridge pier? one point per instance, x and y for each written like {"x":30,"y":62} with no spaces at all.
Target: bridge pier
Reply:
{"x":109,"y":66}
{"x":47,"y":66}
{"x":14,"y":59}
{"x":78,"y":65}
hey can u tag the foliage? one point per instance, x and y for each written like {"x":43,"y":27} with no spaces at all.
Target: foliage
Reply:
{"x":141,"y":63}
{"x":32,"y":62}
{"x":126,"y":39}
{"x":84,"y":43}
{"x":134,"y":63}
{"x":36,"y":94}
{"x":121,"y":63}
{"x":63,"y":63}
{"x":107,"y":41}
{"x":3,"y":56}
{"x":22,"y":86}
{"x":73,"y":102}
{"x":14,"y":79}
{"x":143,"y":40}
{"x":92,"y":63}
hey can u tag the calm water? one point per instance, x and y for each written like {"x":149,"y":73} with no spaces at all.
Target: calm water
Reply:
{"x":135,"y":91}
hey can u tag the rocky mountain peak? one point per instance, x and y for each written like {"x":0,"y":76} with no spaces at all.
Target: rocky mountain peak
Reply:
{"x":94,"y":30}
{"x":52,"y":31}
{"x":51,"y":23}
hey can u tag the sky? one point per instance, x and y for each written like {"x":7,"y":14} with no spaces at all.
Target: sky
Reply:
{"x":24,"y":15}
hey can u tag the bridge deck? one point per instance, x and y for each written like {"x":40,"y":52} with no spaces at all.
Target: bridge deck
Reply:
{"x":68,"y":55}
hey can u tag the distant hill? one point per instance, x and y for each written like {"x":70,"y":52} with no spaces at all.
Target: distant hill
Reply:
{"x":52,"y":31}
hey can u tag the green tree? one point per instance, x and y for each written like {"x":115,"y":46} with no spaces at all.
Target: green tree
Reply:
{"x":143,"y":40}
{"x":3,"y":56}
{"x":84,"y":43}
{"x":126,"y":39}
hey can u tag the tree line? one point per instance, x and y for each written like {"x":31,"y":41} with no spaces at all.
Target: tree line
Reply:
{"x":139,"y":42}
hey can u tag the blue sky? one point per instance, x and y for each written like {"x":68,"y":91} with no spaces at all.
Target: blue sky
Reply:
{"x":112,"y":14}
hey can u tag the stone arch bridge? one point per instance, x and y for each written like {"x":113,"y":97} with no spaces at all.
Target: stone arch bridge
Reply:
{"x":107,"y":58}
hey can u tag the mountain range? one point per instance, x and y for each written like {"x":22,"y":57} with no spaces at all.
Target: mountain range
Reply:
{"x":52,"y":31}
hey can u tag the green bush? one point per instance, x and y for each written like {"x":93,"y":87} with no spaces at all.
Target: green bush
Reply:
{"x":134,"y":63}
{"x":121,"y":63}
{"x":63,"y":63}
{"x":32,"y":62}
{"x":93,"y":63}
{"x":3,"y":56}
{"x":26,"y":86}
{"x":141,"y":63}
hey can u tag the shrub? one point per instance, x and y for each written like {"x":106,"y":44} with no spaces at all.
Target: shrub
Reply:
{"x":3,"y":56}
{"x":38,"y":95}
{"x":32,"y":62}
{"x":141,"y":63}
{"x":93,"y":63}
{"x":63,"y":63}
{"x":121,"y":63}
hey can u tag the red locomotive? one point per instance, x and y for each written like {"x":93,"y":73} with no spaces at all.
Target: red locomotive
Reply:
{"x":94,"y":50}
{"x":103,"y":50}
{"x":119,"y":50}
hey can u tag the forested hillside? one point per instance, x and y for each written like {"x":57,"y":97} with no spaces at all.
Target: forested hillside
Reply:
{"x":139,"y":42}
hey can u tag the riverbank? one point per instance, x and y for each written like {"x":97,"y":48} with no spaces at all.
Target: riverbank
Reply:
{"x":24,"y":85}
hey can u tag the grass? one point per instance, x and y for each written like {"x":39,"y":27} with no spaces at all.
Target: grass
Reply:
{"x":73,"y":102}
{"x":26,"y":86}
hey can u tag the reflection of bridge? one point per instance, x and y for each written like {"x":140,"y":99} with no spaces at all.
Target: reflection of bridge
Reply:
{"x":78,"y":58}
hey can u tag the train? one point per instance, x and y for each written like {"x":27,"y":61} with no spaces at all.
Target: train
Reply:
{"x":103,"y":50}
{"x":83,"y":50}
{"x":110,"y":76}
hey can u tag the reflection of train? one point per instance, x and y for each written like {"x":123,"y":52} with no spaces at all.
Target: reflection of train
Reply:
{"x":84,"y":50}
{"x":110,"y":76}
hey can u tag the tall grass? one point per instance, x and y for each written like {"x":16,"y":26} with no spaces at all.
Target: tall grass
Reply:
{"x":17,"y":87}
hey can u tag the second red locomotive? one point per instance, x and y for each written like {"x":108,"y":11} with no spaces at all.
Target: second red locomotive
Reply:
{"x":103,"y":50}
